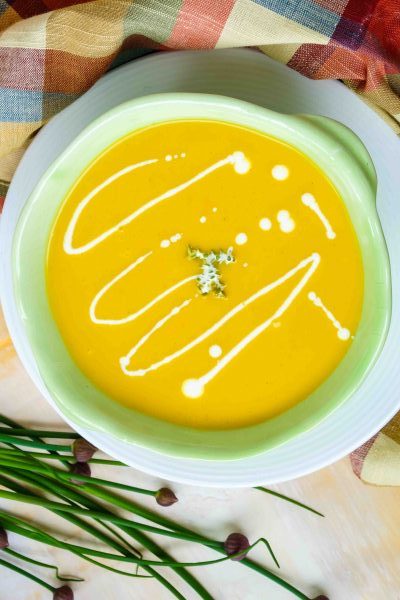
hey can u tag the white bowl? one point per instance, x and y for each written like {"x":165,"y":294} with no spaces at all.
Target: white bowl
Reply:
{"x":251,"y":76}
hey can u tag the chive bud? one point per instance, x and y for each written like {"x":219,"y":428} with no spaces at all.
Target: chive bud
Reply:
{"x":3,"y":538}
{"x":80,"y":468}
{"x":236,"y":542}
{"x":83,"y":450}
{"x":63,"y":593}
{"x":166,"y":497}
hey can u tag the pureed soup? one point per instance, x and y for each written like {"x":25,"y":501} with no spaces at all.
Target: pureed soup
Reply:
{"x":205,"y":274}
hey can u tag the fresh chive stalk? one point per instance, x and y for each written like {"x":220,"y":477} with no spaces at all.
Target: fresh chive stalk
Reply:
{"x":24,"y":457}
{"x":287,"y":499}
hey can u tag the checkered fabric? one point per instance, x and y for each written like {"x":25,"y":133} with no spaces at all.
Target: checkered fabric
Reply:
{"x":51,"y":51}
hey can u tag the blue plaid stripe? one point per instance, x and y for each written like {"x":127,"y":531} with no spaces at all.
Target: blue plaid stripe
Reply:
{"x":31,"y":106}
{"x":306,"y":12}
{"x":20,"y":105}
{"x":3,"y":6}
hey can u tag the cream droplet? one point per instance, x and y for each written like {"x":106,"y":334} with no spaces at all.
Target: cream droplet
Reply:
{"x":240,"y":163}
{"x":168,"y":157}
{"x":265,"y":224}
{"x":176,"y":237}
{"x":215,"y":351}
{"x":203,"y":219}
{"x":280,"y":172}
{"x":343,"y":334}
{"x":283,"y":215}
{"x":165,"y":244}
{"x":287,"y":226}
{"x":286,"y":223}
{"x":241,"y":239}
{"x":192,"y":388}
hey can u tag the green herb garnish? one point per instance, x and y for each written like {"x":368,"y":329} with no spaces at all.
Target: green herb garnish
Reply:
{"x":210,"y":278}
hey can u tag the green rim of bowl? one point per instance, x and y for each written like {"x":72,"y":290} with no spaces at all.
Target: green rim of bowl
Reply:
{"x":333,"y":147}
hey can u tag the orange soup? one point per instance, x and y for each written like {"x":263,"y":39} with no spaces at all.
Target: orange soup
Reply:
{"x":205,"y":274}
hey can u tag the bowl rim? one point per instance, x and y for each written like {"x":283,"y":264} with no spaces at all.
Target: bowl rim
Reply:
{"x":317,"y":137}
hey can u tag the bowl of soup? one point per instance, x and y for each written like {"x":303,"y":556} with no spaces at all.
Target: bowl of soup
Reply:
{"x":203,"y":276}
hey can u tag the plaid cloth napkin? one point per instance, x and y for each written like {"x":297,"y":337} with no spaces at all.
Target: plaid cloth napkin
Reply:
{"x":51,"y":51}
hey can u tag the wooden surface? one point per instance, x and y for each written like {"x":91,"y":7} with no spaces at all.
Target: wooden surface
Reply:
{"x":351,"y":554}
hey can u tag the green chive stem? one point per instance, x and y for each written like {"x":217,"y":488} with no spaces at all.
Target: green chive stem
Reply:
{"x":33,"y":444}
{"x":287,"y":499}
{"x":103,"y":515}
{"x":19,"y":463}
{"x":40,"y":564}
{"x":44,"y":584}
{"x":67,"y":458}
{"x":136,"y":534}
{"x":21,"y":431}
{"x":61,"y":507}
{"x":220,"y":549}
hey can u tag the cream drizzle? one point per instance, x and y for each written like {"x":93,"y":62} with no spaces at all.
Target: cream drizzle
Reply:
{"x":311,"y":262}
{"x":125,"y":360}
{"x":193,"y":387}
{"x":197,"y":385}
{"x":342,"y":332}
{"x":141,"y":311}
{"x":240,"y":164}
{"x":310,"y":201}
